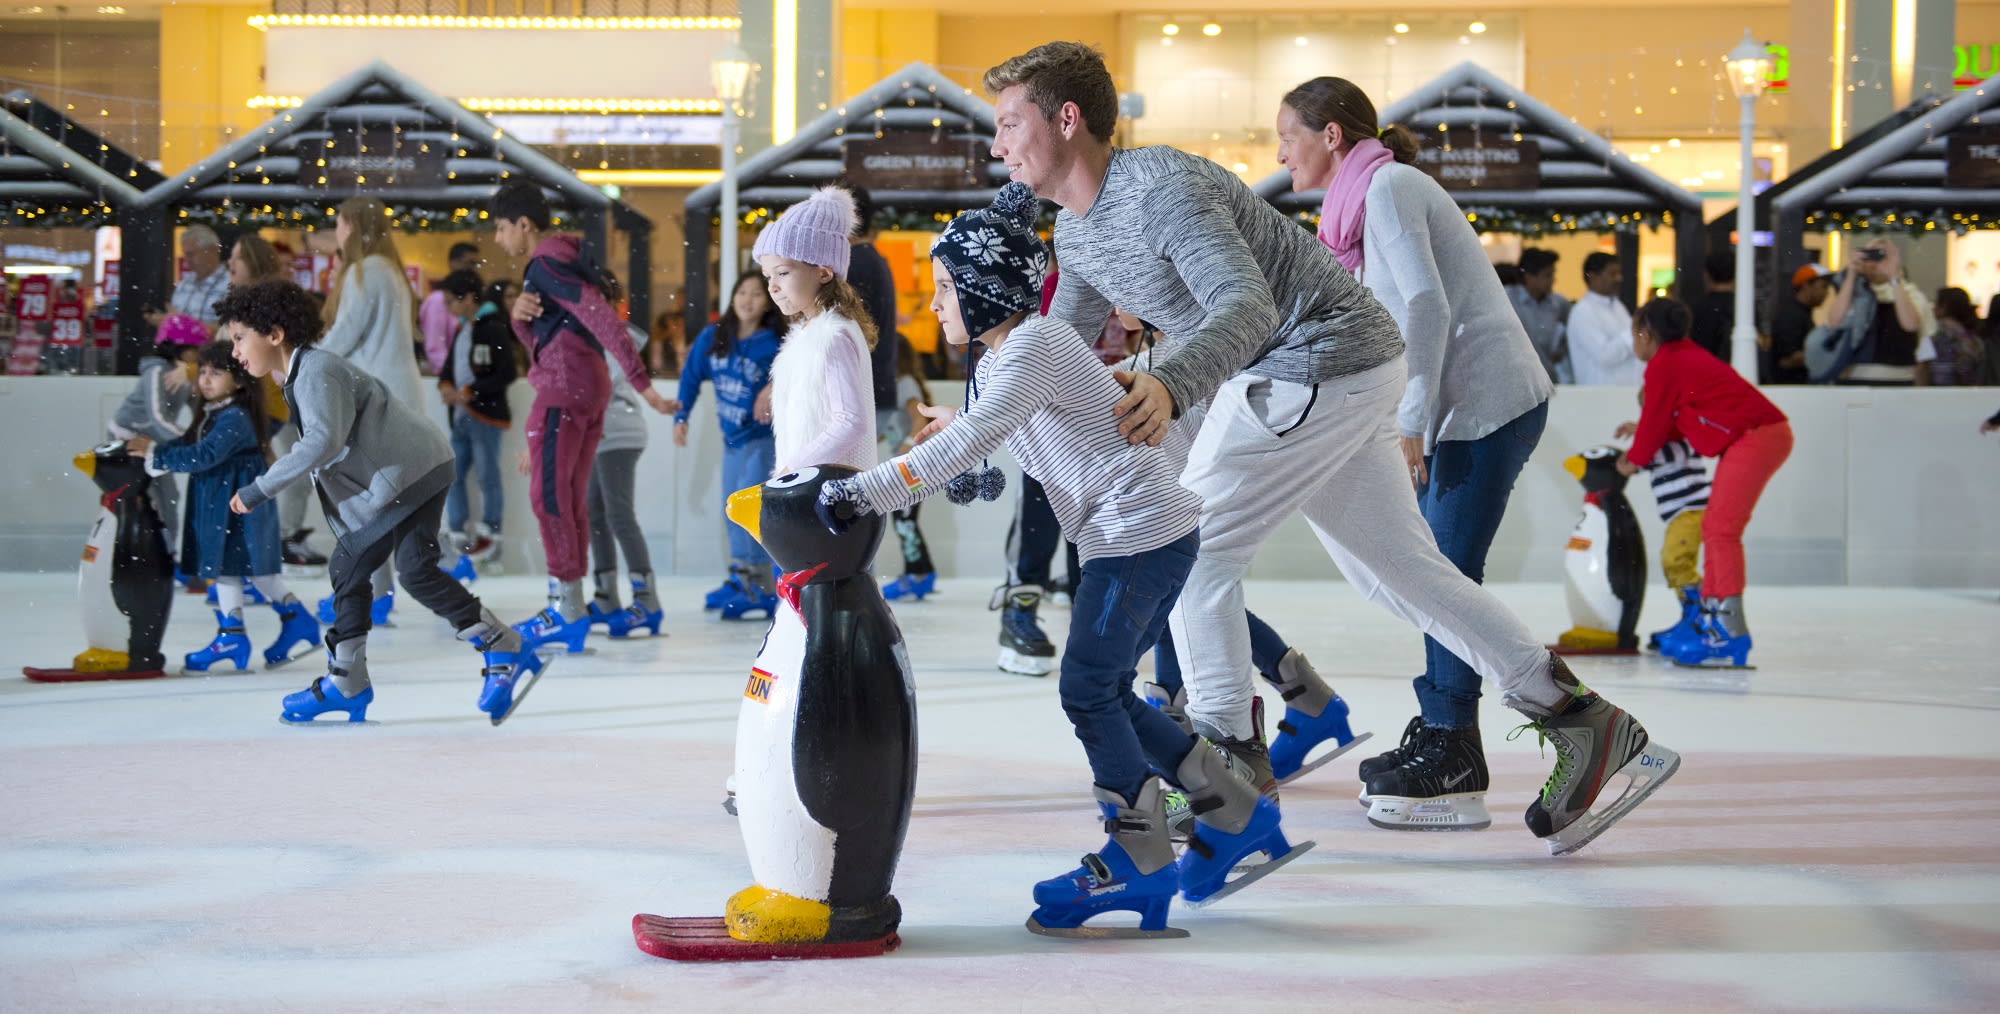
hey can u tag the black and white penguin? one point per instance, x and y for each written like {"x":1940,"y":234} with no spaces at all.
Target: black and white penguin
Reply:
{"x":826,"y":748}
{"x":1604,"y":567}
{"x":125,"y":583}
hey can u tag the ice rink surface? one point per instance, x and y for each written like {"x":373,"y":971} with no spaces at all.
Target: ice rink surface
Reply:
{"x":1832,"y":840}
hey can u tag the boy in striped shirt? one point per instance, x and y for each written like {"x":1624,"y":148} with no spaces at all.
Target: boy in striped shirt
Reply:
{"x":1680,"y":491}
{"x":1041,"y":391}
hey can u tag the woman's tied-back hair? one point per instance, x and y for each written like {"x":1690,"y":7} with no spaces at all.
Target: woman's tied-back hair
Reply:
{"x":1059,"y":72}
{"x":1341,"y":102}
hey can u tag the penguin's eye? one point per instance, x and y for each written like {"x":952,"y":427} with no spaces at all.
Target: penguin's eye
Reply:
{"x":1600,"y":452}
{"x":790,"y":479}
{"x":109,"y":448}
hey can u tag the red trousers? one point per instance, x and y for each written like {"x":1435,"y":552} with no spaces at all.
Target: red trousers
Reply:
{"x":562,"y":443}
{"x":1740,"y":477}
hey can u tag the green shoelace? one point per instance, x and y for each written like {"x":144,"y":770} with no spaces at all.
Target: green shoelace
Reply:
{"x":1560,"y":775}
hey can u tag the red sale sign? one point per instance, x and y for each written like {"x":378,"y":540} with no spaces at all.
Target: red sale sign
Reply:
{"x":36,"y":300}
{"x":66,"y":327}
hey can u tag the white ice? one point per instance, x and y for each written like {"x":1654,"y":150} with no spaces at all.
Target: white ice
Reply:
{"x":1832,"y":840}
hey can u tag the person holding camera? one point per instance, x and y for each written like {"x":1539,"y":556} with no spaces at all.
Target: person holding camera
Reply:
{"x":1884,"y":341}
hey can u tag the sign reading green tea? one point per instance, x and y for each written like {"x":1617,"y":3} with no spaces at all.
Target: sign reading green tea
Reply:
{"x":914,"y":162}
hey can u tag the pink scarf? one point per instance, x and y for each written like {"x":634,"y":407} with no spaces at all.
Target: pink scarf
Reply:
{"x":1345,"y":209}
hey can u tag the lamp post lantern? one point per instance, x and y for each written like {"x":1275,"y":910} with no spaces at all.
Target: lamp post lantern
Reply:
{"x":731,"y":71}
{"x":1749,"y":74}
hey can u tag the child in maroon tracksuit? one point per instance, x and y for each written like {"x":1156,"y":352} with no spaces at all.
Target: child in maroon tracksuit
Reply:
{"x":565,"y":322}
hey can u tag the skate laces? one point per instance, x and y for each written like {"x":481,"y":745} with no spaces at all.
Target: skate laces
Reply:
{"x":1565,"y":758}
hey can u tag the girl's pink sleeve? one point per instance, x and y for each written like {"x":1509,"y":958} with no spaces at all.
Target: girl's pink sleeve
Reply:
{"x":597,"y":314}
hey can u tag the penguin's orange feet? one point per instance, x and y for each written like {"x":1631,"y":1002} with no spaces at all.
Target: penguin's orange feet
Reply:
{"x":766,"y":925}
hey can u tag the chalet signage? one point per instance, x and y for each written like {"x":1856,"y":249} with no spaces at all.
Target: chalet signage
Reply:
{"x":1480,"y":160}
{"x":915,"y":162}
{"x":371,"y":159}
{"x":1972,"y":159}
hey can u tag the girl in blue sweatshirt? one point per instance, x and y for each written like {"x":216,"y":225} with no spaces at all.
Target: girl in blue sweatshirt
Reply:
{"x":735,"y":355}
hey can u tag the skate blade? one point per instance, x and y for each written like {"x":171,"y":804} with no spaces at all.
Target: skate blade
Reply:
{"x":1253,"y":874}
{"x":1427,"y":816}
{"x":526,"y":687}
{"x":214,"y":671}
{"x":270,"y":666}
{"x":1715,"y":663}
{"x":1105,"y":932}
{"x":1314,"y":765}
{"x":1647,"y":772}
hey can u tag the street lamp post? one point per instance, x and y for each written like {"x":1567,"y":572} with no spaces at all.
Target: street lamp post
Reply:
{"x":730,"y":70}
{"x":1749,"y":73}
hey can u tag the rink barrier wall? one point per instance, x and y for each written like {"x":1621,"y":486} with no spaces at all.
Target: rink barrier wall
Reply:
{"x":1884,"y":488}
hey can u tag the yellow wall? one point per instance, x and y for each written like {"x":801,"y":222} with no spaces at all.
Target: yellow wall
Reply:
{"x":876,"y":41}
{"x":211,"y":63}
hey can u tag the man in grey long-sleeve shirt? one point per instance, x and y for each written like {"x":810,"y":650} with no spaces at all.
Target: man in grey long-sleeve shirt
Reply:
{"x":382,"y":471}
{"x":1307,"y":374}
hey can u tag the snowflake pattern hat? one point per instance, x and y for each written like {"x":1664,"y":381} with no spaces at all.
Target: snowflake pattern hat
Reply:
{"x":995,"y":259}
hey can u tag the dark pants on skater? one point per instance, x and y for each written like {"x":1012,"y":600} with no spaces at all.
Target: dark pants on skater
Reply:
{"x":916,"y":553}
{"x":1267,"y":646}
{"x":413,"y":545}
{"x":614,"y":516}
{"x":1119,"y":609}
{"x":1463,"y":500}
{"x":1033,"y":537}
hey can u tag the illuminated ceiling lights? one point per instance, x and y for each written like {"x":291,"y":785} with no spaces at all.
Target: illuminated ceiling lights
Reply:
{"x":1170,"y":29}
{"x":431,"y":21}
{"x":112,"y":10}
{"x":1477,"y":28}
{"x":539,"y":105}
{"x":1211,"y":29}
{"x":1402,"y":28}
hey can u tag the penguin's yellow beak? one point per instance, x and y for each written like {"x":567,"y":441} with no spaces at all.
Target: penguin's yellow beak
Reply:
{"x":86,"y":463}
{"x":1575,"y":465}
{"x":746,"y":506}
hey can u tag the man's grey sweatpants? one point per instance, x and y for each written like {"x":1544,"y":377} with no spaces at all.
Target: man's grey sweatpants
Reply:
{"x":1329,"y":451}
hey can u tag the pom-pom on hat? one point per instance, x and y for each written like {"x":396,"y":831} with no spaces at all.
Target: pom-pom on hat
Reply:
{"x":814,"y":231}
{"x":995,"y":259}
{"x":181,"y":329}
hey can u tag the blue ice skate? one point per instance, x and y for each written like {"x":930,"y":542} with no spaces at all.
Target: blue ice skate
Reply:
{"x":633,"y":618}
{"x":464,"y":572}
{"x":378,"y":611}
{"x":1212,"y":854}
{"x":505,"y":673}
{"x":1299,"y":734}
{"x":911,"y":586}
{"x":250,"y":594}
{"x":1111,"y":879}
{"x":548,"y":627}
{"x":298,"y":628}
{"x":747,"y":598}
{"x":1723,"y":641}
{"x":720,"y":595}
{"x":231,"y":644}
{"x":1689,"y":625}
{"x":321,"y":698}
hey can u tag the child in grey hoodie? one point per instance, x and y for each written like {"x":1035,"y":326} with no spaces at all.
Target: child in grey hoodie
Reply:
{"x":382,"y":471}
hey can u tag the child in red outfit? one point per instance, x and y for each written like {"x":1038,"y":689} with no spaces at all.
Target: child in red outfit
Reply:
{"x":1692,"y":395}
{"x":564,"y":321}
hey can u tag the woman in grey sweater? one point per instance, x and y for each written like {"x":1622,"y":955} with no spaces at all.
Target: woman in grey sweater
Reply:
{"x":371,"y":321}
{"x":1473,"y":410}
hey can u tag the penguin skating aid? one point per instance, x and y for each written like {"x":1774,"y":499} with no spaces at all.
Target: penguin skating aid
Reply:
{"x":1604,"y":564}
{"x":825,"y":750}
{"x":125,"y":582}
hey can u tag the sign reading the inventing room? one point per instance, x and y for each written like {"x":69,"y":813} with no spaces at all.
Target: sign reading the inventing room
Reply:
{"x":1972,"y":158}
{"x":371,"y":159}
{"x":914,"y":162}
{"x":1463,"y":159}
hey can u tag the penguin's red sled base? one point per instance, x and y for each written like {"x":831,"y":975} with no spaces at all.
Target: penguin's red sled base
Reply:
{"x":706,"y":938}
{"x":81,"y":675}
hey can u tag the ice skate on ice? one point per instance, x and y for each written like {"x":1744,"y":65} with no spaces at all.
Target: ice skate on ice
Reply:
{"x":1314,"y":714}
{"x":231,"y":644}
{"x":297,"y":627}
{"x":1135,"y":871}
{"x":1232,"y":823}
{"x":1024,"y":648}
{"x":1441,"y":787}
{"x":1606,"y":764}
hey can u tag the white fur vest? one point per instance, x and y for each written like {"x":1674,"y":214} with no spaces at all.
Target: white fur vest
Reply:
{"x":823,"y":396}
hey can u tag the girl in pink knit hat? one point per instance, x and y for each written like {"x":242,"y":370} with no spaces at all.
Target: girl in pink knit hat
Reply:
{"x":822,"y":390}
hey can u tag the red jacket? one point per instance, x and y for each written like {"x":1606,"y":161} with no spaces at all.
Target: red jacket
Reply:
{"x":1692,"y":394}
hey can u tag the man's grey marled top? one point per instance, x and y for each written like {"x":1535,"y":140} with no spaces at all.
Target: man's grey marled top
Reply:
{"x":1181,"y":243}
